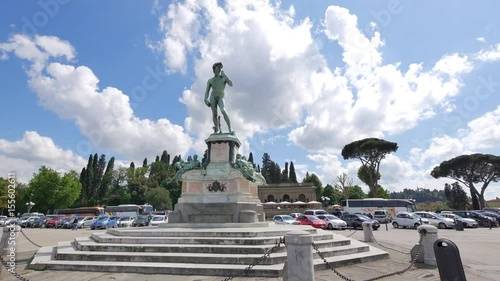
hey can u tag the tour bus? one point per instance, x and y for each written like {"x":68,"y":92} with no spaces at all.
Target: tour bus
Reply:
{"x":82,"y":211}
{"x":129,"y":210}
{"x":369,"y":205}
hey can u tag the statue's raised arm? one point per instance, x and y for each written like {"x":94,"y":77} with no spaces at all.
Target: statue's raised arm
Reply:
{"x":215,"y":99}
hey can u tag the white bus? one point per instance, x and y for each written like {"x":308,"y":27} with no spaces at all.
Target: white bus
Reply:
{"x":129,"y":210}
{"x":369,"y":205}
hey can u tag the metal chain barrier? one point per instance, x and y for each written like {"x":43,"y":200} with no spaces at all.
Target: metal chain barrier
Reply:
{"x":399,"y":272}
{"x":390,"y":248}
{"x":261,"y":259}
{"x":355,"y":230}
{"x":6,"y":265}
{"x":29,"y":239}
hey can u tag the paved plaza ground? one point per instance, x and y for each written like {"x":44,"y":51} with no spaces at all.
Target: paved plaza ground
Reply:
{"x":479,"y":250}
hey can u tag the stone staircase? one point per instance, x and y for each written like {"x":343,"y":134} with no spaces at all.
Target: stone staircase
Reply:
{"x":191,"y":251}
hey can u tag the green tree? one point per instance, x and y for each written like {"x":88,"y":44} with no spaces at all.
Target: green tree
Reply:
{"x":266,"y":167}
{"x":118,"y":192}
{"x":381,"y":193}
{"x":330,"y":192}
{"x":292,"y":175}
{"x":250,"y":158}
{"x":357,"y":193}
{"x":106,"y":181}
{"x":365,"y":174}
{"x":174,"y":189}
{"x":370,"y":152}
{"x":456,"y":198}
{"x":160,"y":198}
{"x":51,"y":191}
{"x":313,"y":178}
{"x":284,"y":174}
{"x":469,"y":170}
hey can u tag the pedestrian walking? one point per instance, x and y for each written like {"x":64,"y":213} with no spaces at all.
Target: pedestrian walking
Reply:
{"x":75,"y":224}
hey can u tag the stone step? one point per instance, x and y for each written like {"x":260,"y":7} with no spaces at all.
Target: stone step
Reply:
{"x":43,"y":260}
{"x":88,"y":244}
{"x":108,"y":238}
{"x":281,"y":230}
{"x":66,"y":252}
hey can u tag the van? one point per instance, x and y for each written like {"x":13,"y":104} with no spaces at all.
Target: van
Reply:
{"x":382,"y":216}
{"x":315,"y":212}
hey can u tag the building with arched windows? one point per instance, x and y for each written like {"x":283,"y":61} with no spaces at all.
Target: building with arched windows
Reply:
{"x":290,"y":192}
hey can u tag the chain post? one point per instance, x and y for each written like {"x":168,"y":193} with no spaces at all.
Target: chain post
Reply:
{"x":399,"y":272}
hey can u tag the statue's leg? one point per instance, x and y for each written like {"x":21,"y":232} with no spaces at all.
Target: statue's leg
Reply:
{"x":213,"y":105}
{"x":226,"y":117}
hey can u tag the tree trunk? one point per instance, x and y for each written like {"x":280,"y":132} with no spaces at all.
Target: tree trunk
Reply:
{"x":475,"y":202}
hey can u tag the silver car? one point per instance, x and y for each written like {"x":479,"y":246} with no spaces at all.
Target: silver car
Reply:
{"x":466,"y":222}
{"x":437,"y":220}
{"x":85,"y":221}
{"x":284,"y":219}
{"x":333,"y":222}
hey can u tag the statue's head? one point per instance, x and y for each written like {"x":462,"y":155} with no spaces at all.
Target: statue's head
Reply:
{"x":217,"y":67}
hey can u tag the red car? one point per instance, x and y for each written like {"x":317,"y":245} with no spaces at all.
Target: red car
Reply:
{"x":52,"y":221}
{"x":313,"y":221}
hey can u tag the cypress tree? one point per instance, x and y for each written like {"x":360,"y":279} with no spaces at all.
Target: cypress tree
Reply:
{"x":292,"y":176}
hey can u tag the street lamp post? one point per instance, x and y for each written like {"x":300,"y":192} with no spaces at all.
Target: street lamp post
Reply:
{"x":30,"y":204}
{"x":326,"y":200}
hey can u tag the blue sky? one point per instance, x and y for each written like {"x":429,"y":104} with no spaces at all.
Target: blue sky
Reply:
{"x":127,"y":79}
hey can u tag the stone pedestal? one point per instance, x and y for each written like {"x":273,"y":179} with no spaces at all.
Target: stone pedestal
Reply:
{"x":218,"y":193}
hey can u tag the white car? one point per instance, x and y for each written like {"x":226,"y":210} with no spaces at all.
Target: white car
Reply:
{"x":466,"y":222}
{"x":437,"y":220}
{"x":333,"y":222}
{"x":285,"y":219}
{"x":156,"y":220}
{"x":405,"y":220}
{"x":125,"y":221}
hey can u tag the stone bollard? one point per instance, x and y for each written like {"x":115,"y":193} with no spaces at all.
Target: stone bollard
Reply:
{"x":11,"y":233}
{"x":299,"y":251}
{"x":367,"y":230}
{"x":430,"y":233}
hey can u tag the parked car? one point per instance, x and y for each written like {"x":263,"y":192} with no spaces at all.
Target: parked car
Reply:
{"x":356,"y":220}
{"x":496,"y":216}
{"x":465,"y":221}
{"x":156,"y":220}
{"x":405,"y":220}
{"x":52,"y":222}
{"x":481,"y":219}
{"x":333,"y":222}
{"x":125,"y":221}
{"x":295,"y":215}
{"x":382,"y":216}
{"x":3,"y":219}
{"x":437,"y":220}
{"x":64,"y":222}
{"x":10,"y":221}
{"x":312,"y":221}
{"x":141,"y":221}
{"x":103,"y":222}
{"x":25,"y":222}
{"x":36,"y":223}
{"x":285,"y":219}
{"x":315,"y":212}
{"x":84,"y":222}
